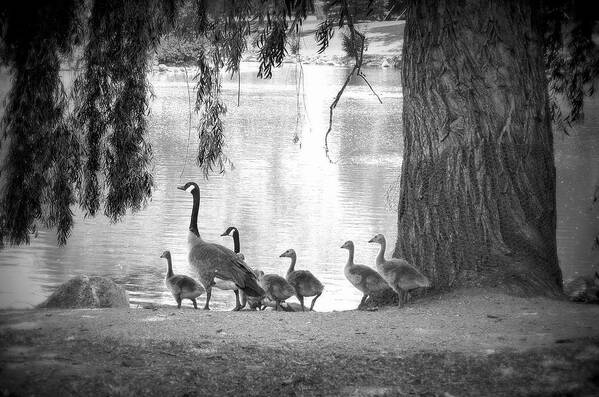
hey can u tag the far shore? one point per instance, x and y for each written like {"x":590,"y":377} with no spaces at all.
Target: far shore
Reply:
{"x":471,"y":342}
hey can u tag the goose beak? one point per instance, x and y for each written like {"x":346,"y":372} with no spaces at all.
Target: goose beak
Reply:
{"x":224,"y":234}
{"x":371,"y":240}
{"x":162,"y":256}
{"x":282,"y":255}
{"x":181,"y":187}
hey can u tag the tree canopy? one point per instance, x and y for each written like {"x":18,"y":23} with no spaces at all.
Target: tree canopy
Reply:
{"x":89,"y":147}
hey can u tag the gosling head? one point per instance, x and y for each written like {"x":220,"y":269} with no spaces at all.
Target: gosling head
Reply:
{"x":259,"y":274}
{"x":229,"y":230}
{"x":189,"y":187}
{"x":348,"y":245}
{"x":379,"y":238}
{"x":290,"y":253}
{"x":166,"y":254}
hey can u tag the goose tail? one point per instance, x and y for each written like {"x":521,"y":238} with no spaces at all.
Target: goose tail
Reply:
{"x":251,"y":287}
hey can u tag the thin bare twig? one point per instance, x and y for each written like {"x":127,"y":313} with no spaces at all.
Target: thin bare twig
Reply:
{"x":356,"y":69}
{"x":363,"y":76}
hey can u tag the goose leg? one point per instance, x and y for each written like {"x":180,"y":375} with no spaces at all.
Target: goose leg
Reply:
{"x":208,"y":294}
{"x":244,"y":300}
{"x":237,"y":304}
{"x":195,"y":304}
{"x":401,"y":298}
{"x":178,"y":299}
{"x":301,"y":299}
{"x":313,"y":301}
{"x":276,"y":306}
{"x":363,"y":300}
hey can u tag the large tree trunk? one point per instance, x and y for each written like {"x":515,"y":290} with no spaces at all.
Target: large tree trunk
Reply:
{"x":477,"y":204}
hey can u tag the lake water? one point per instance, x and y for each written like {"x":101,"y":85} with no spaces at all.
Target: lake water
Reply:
{"x":280,"y":194}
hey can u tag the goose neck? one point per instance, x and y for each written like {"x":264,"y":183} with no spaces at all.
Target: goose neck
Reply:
{"x":169,"y":271}
{"x":236,"y":247}
{"x":193,"y":224}
{"x":381,"y":256}
{"x":292,"y":265}
{"x":350,"y":258}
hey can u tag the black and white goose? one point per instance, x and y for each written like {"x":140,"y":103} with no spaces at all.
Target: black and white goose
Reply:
{"x":212,"y":260}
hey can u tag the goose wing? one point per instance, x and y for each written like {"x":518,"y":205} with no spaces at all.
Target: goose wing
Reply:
{"x":305,"y":281}
{"x":406,"y":275}
{"x":373,"y":281}
{"x":183,"y":283}
{"x":226,"y":265}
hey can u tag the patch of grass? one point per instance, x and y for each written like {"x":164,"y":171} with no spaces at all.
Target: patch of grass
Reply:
{"x":217,"y":367}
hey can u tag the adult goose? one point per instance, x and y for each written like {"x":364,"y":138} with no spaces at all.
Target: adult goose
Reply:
{"x":399,"y":274}
{"x":276,"y":287}
{"x":212,"y":260}
{"x":181,"y":286}
{"x":228,"y":285}
{"x":303,"y":281}
{"x":364,"y":278}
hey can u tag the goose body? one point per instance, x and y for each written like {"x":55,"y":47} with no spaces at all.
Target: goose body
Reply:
{"x":276,"y":287}
{"x":229,"y":285}
{"x":399,"y":274}
{"x":211,"y":260}
{"x":364,"y":278}
{"x":181,"y":286}
{"x":303,"y":281}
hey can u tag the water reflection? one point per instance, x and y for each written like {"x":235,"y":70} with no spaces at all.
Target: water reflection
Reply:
{"x":279,"y":195}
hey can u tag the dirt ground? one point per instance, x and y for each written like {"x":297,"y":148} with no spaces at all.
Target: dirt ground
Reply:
{"x":465,"y":343}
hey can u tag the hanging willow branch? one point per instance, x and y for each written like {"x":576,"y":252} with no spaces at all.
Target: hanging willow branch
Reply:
{"x":357,"y":40}
{"x":41,"y":165}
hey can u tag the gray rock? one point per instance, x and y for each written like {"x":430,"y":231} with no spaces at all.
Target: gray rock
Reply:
{"x":87,"y":292}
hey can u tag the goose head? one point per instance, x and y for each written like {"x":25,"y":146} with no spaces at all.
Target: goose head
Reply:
{"x":379,"y":238}
{"x":290,"y":253}
{"x":229,"y":230}
{"x":259,"y":274}
{"x":348,"y":245}
{"x":189,"y":187}
{"x":166,"y":254}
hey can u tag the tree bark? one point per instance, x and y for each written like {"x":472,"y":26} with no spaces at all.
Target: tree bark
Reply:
{"x":477,"y":203}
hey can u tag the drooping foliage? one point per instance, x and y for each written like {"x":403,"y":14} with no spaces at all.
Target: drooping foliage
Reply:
{"x":41,"y":152}
{"x":112,"y":102}
{"x":571,"y":57}
{"x":53,"y":160}
{"x":93,"y":151}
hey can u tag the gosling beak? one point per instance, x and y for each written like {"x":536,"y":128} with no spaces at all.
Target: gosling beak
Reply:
{"x":371,"y":240}
{"x":181,"y":187}
{"x":162,"y":256}
{"x":282,"y":255}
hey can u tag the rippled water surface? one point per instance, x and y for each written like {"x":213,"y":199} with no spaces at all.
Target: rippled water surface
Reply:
{"x":280,"y":194}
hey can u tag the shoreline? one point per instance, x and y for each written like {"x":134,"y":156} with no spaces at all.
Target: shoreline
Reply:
{"x":469,"y":342}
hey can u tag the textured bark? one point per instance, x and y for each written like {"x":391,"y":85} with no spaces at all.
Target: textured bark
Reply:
{"x":477,"y":204}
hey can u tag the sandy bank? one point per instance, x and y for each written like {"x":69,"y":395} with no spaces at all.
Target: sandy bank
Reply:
{"x":508,"y":345}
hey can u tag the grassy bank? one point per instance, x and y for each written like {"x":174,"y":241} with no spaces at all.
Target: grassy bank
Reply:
{"x":460,"y":344}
